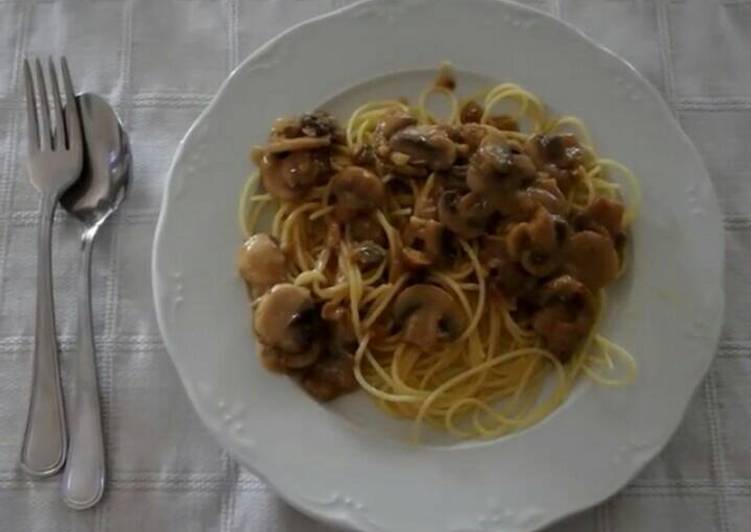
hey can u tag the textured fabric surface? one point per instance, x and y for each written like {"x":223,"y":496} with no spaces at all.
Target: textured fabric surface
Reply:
{"x":159,"y":63}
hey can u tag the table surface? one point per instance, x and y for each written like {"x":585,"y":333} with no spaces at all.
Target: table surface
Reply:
{"x":159,"y":62}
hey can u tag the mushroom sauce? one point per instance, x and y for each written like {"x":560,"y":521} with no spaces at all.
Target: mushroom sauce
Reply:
{"x":407,"y":251}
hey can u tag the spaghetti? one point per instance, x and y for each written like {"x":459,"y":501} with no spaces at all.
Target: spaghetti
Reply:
{"x":452,"y":268}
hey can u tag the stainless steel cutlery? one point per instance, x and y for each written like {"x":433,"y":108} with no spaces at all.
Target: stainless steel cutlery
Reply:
{"x":92,"y":199}
{"x":55,"y":162}
{"x":79,"y":155}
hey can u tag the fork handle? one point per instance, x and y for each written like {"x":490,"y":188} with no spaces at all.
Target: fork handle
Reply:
{"x":83,"y":479}
{"x":45,"y":442}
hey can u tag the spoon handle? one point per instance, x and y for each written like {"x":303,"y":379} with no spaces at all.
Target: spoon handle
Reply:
{"x":44,"y":442}
{"x":83,"y":479}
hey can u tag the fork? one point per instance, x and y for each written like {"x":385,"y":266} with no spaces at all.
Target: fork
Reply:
{"x":55,"y":162}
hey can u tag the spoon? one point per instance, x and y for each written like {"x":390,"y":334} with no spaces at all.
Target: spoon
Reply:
{"x":92,"y":199}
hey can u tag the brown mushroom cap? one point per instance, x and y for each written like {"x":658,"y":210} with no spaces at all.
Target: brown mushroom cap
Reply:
{"x":286,"y":127}
{"x":303,"y":169}
{"x":424,"y":242}
{"x":296,"y":156}
{"x":261,"y":262}
{"x":567,"y":315}
{"x":545,"y":193}
{"x":287,"y":320}
{"x":333,"y":373}
{"x":499,"y":170}
{"x":269,"y":169}
{"x":465,"y":215}
{"x":507,"y":279}
{"x":429,"y":315}
{"x":562,"y":151}
{"x":394,"y":122}
{"x":368,"y":254}
{"x":289,"y":175}
{"x":603,"y":215}
{"x":425,"y":145}
{"x":356,"y":191}
{"x":538,"y":244}
{"x":591,"y":257}
{"x":318,"y":124}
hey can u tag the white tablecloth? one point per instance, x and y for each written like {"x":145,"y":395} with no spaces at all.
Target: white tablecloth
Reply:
{"x":159,"y":62}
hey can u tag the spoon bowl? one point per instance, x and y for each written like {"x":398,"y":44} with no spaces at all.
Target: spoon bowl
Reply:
{"x":106,"y":168}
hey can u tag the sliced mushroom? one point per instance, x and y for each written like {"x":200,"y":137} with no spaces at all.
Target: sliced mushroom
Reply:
{"x":603,"y":215}
{"x":261,"y":262}
{"x":466,"y":215}
{"x":318,"y":124}
{"x":562,"y":151}
{"x":287,"y":322}
{"x":429,"y":315}
{"x":394,"y":122}
{"x":424,"y":242}
{"x":538,"y":244}
{"x":498,"y":170}
{"x":566,"y":316}
{"x":332,"y":376}
{"x":303,"y":169}
{"x":368,"y":254}
{"x":272,"y":182}
{"x":507,"y":279}
{"x":592,"y":258}
{"x":296,"y":156}
{"x":287,"y":127}
{"x":425,"y":146}
{"x":545,"y":193}
{"x":333,"y":373}
{"x":289,"y":175}
{"x":356,"y":191}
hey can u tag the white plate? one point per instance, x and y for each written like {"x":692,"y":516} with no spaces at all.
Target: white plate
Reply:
{"x":347,"y":463}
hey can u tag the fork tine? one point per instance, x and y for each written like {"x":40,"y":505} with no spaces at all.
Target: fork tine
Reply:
{"x":45,"y":133}
{"x":59,"y":136}
{"x":31,"y":108}
{"x":71,"y":110}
